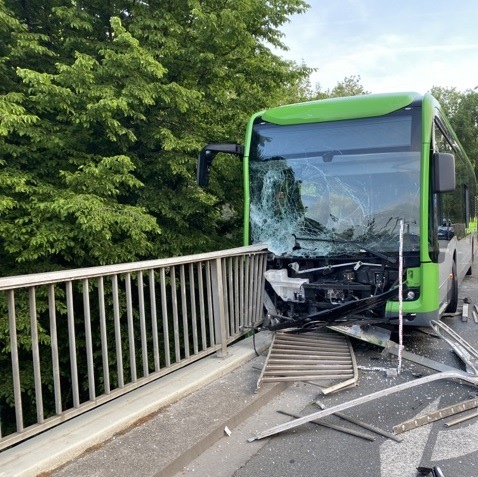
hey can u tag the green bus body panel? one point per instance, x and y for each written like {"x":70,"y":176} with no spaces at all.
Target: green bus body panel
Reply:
{"x":429,"y":300}
{"x":336,"y":109}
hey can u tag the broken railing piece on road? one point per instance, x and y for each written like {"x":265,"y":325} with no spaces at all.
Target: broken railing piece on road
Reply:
{"x":362,"y":435}
{"x":461,"y":419}
{"x":313,"y":356}
{"x":461,"y":347}
{"x":365,"y":425}
{"x":460,"y":375}
{"x":435,"y":416}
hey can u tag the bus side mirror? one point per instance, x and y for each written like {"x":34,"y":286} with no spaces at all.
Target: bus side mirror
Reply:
{"x":444,"y":172}
{"x":206,"y":157}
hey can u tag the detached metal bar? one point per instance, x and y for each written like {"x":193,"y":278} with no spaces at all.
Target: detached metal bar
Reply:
{"x":363,"y":399}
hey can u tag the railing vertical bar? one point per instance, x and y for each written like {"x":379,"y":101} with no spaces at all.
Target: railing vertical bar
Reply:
{"x":242,"y":297}
{"x":236,"y":295}
{"x":72,"y":344}
{"x":129,"y":316}
{"x":142,"y":325}
{"x":118,"y":341}
{"x":184,"y":309}
{"x":258,"y":287}
{"x":104,"y":338}
{"x":226,"y":297}
{"x":174,"y":302}
{"x":164,"y":312}
{"x":255,"y":288}
{"x":231,"y":293}
{"x":89,"y":340}
{"x":252,"y":259}
{"x":262,"y":280}
{"x":54,"y":349}
{"x":17,"y":391}
{"x":210,"y":303}
{"x":219,"y":300}
{"x":202,"y":309}
{"x":36,"y":354}
{"x":247,"y":273}
{"x":154,"y":320}
{"x":192,"y":294}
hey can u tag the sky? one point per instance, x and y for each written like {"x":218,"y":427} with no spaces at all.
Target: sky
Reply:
{"x":403,"y":45}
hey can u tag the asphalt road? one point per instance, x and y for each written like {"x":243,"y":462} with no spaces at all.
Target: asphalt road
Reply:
{"x":312,"y":450}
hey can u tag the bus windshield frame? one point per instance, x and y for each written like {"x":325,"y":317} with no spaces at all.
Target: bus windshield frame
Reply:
{"x":322,"y":189}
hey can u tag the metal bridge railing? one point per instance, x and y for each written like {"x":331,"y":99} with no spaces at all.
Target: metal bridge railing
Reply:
{"x":73,"y":340}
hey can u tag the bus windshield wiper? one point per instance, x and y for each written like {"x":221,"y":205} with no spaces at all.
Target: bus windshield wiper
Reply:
{"x":345,"y":242}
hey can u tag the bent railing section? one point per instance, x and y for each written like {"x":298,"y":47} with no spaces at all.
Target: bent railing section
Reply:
{"x":73,"y":340}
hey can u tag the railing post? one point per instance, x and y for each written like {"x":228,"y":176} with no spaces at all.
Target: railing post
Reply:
{"x":217,"y":285}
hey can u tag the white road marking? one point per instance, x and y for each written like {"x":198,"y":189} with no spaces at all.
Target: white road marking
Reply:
{"x":454,"y":443}
{"x":401,"y":459}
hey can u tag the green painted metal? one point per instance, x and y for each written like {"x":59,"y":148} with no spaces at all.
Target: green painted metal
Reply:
{"x":336,"y":109}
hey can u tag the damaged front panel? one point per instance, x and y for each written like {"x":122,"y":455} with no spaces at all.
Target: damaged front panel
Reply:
{"x":328,"y":199}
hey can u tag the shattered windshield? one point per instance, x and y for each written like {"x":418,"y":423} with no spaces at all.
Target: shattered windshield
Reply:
{"x":324,"y":189}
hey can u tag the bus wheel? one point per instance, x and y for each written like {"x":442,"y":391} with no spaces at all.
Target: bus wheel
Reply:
{"x":453,"y":305}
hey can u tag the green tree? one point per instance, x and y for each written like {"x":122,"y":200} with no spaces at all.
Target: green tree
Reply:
{"x":461,"y":107}
{"x":349,"y":86}
{"x":104,"y":109}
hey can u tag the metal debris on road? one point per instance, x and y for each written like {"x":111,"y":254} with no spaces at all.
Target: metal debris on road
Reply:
{"x":365,"y":425}
{"x":461,"y":419}
{"x":345,"y":430}
{"x":460,"y":346}
{"x":460,"y":375}
{"x":435,"y":416}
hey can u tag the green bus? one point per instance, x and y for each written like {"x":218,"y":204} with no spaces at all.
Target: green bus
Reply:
{"x":349,"y":194}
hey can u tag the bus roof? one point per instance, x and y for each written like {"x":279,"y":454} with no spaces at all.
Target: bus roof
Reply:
{"x":336,"y":109}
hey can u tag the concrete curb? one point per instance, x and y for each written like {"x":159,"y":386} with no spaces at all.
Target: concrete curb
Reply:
{"x":63,"y":443}
{"x":218,"y":433}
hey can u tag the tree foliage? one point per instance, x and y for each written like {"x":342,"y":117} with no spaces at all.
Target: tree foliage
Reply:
{"x":461,"y":107}
{"x":103,"y":107}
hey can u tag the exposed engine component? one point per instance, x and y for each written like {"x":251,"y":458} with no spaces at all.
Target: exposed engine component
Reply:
{"x":319,"y":291}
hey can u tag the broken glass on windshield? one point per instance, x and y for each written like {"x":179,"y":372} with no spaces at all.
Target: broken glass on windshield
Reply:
{"x":319,"y":189}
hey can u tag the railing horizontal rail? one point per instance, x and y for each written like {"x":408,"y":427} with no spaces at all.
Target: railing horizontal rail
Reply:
{"x":79,"y":338}
{"x":35,"y":279}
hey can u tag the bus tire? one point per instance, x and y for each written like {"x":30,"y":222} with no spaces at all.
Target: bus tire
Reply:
{"x":453,"y":304}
